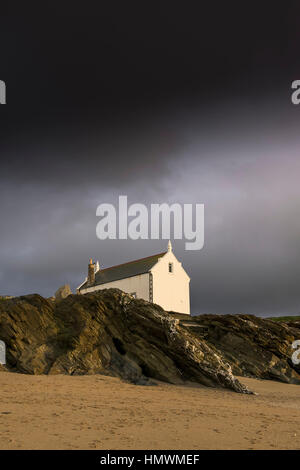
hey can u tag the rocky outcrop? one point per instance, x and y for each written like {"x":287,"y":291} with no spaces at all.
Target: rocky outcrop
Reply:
{"x":293,"y":324}
{"x":111,"y":333}
{"x":253,"y":346}
{"x":107,"y":333}
{"x":63,"y":292}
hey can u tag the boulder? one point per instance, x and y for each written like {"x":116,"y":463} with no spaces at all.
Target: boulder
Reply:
{"x":63,"y":292}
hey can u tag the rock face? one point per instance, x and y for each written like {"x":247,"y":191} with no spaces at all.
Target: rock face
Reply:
{"x":253,"y":346}
{"x":111,"y":333}
{"x":63,"y":292}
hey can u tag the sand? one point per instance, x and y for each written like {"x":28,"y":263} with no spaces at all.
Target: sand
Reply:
{"x":97,"y":412}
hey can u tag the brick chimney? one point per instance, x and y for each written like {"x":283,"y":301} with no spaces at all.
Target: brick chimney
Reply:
{"x":91,"y":273}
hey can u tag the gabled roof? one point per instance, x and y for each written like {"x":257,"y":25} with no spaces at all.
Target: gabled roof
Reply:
{"x":122,"y":271}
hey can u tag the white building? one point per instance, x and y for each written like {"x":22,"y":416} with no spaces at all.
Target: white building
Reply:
{"x":159,"y":278}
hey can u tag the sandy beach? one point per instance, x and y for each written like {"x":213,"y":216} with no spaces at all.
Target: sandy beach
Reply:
{"x":97,"y":412}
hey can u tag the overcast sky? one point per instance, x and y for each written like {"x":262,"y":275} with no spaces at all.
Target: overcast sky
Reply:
{"x":163,"y":105}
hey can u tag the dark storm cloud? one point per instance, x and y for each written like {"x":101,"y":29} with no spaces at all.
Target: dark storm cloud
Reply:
{"x":251,"y":255}
{"x":250,"y":259}
{"x":94,"y":156}
{"x":171,"y":105}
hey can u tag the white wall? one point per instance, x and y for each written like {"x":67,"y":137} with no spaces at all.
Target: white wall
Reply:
{"x":171,"y":290}
{"x":138,"y":284}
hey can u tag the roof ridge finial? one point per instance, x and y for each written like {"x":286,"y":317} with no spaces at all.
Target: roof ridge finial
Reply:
{"x":169,"y":246}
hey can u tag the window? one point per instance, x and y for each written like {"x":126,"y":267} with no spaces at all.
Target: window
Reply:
{"x":170,"y":267}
